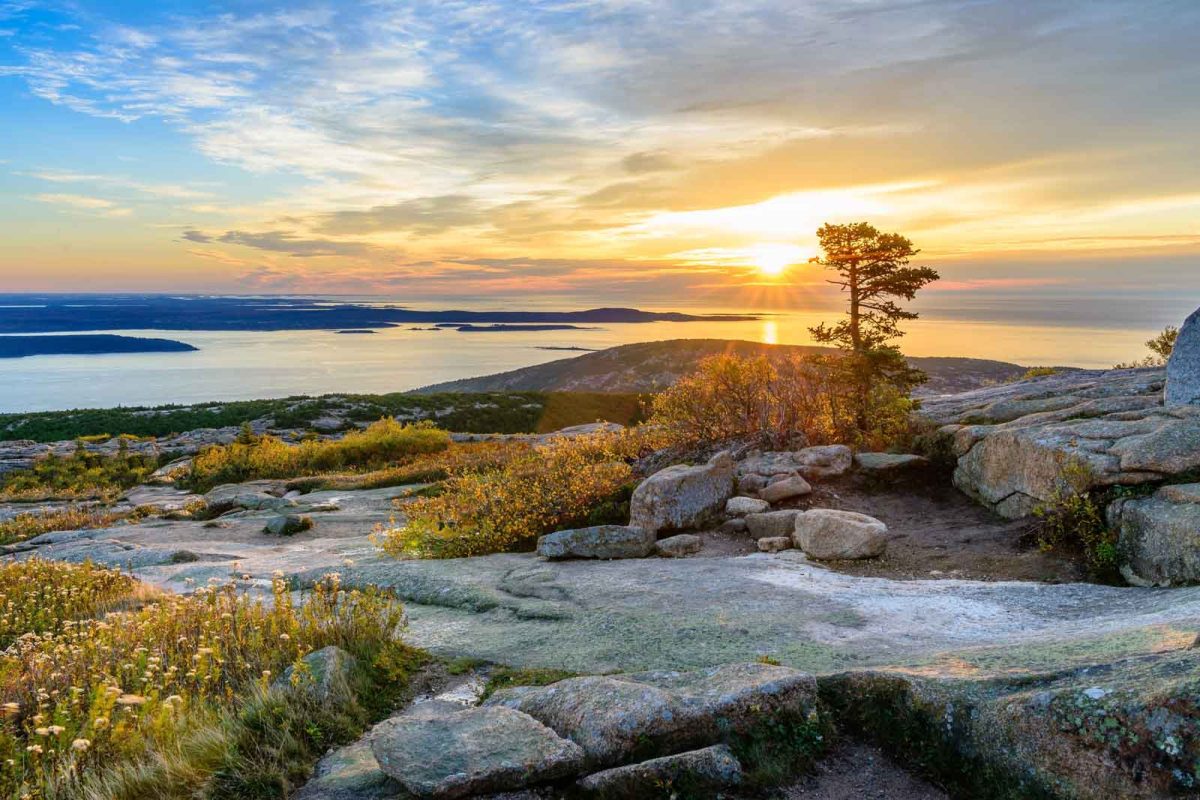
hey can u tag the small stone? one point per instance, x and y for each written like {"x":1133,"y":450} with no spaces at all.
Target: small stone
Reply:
{"x":772,"y":523}
{"x":1095,"y":693}
{"x":830,"y":534}
{"x":786,"y":489}
{"x":888,"y":462}
{"x":751,"y":484}
{"x":741,"y":506}
{"x":683,"y":544}
{"x":288,"y":525}
{"x":774,"y":544}
{"x":600,"y":541}
{"x":733,"y":527}
{"x":326,"y":675}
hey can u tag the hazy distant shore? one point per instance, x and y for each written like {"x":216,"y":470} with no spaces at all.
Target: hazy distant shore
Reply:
{"x":54,"y":313}
{"x":86,"y":344}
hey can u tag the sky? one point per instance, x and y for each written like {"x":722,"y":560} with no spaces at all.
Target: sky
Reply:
{"x":661,"y":153}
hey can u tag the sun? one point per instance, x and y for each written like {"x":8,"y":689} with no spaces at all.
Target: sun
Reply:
{"x":772,"y":260}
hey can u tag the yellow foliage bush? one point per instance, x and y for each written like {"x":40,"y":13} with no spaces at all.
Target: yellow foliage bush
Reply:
{"x":776,"y":401}
{"x":80,"y":695}
{"x":384,"y":442}
{"x":508,"y":506}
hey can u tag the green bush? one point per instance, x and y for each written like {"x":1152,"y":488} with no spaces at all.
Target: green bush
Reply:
{"x":1073,"y":519}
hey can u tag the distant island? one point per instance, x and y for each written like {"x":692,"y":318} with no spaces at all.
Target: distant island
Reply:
{"x":468,"y":328}
{"x":86,"y":344}
{"x":653,"y":366}
{"x":355,"y":330}
{"x":53,"y":313}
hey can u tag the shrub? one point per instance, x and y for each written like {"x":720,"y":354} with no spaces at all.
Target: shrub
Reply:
{"x":811,"y":398}
{"x":1037,"y":372}
{"x":1160,"y":347}
{"x":254,"y":457}
{"x":29,"y":524}
{"x":508,"y":506}
{"x":83,"y":474}
{"x":84,"y":694}
{"x":1073,"y":518}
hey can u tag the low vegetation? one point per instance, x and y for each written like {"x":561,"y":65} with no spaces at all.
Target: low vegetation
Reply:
{"x":491,"y":412}
{"x":1160,"y":347}
{"x":82,"y":475}
{"x":171,"y":697}
{"x":255,"y":457}
{"x":1073,"y":520}
{"x":35,"y":523}
{"x":532,"y":492}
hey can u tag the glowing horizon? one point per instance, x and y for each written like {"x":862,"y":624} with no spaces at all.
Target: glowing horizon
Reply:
{"x":650,"y":153}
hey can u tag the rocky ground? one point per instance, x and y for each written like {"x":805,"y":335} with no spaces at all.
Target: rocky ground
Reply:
{"x":933,"y":630}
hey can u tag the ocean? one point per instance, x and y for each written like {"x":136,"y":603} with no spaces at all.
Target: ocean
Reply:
{"x":247,"y":365}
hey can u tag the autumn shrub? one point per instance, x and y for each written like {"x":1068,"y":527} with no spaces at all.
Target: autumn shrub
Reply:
{"x":82,"y":475}
{"x":508,"y":506}
{"x":28,"y":524}
{"x":83,"y":694}
{"x":253,"y":457}
{"x":778,"y":402}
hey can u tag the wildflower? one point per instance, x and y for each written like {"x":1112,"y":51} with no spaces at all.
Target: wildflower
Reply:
{"x":130,"y":700}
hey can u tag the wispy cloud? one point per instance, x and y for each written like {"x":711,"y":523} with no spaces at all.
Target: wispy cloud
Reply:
{"x":84,"y":203}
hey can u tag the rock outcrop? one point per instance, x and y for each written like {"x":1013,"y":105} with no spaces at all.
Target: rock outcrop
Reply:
{"x":679,"y":545}
{"x":1020,"y":444}
{"x":683,"y":497}
{"x":772,"y":523}
{"x":1159,"y":536}
{"x":1183,"y":368}
{"x":600,"y":541}
{"x":824,"y":461}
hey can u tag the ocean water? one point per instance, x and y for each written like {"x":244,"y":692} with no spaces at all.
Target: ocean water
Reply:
{"x":247,"y":365}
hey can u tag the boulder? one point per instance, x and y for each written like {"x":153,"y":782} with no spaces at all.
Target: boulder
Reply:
{"x":622,"y":717}
{"x":325,"y":675}
{"x":288,"y":524}
{"x":246,"y":497}
{"x":888,"y":463}
{"x":683,"y":544}
{"x":697,"y":773}
{"x":771,"y":523}
{"x":683,"y":497}
{"x":786,"y":489}
{"x":471,"y":752}
{"x":600,"y":541}
{"x":1158,"y":537}
{"x":611,"y":717}
{"x":829,"y":534}
{"x":774,"y":544}
{"x":741,"y":506}
{"x":823,"y":461}
{"x":1183,"y":368}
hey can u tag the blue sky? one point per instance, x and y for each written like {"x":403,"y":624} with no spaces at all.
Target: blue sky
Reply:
{"x":638,"y":150}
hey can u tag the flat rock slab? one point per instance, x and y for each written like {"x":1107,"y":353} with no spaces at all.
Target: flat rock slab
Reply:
{"x":594,"y":617}
{"x":471,"y":752}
